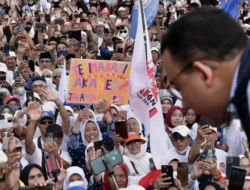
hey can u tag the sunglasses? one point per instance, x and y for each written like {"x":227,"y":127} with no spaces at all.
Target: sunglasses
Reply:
{"x":47,"y":122}
{"x":176,"y":138}
{"x":123,"y":31}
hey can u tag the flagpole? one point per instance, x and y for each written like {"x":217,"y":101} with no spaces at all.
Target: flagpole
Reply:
{"x":144,"y":29}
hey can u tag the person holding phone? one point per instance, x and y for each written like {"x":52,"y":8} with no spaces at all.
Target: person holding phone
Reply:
{"x":137,"y":159}
{"x":89,"y":132}
{"x":207,"y":135}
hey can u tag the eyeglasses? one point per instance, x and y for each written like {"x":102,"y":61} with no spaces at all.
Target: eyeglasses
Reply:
{"x":176,"y":138}
{"x":47,"y":122}
{"x":44,"y":61}
{"x":123,"y":31}
{"x":173,"y":91}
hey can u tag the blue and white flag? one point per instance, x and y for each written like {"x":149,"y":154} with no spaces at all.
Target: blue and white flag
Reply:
{"x":150,"y":10}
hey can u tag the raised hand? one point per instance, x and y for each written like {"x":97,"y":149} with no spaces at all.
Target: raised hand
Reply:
{"x":49,"y":95}
{"x":35,"y":111}
{"x":12,"y":171}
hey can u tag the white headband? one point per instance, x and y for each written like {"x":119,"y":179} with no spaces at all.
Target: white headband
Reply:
{"x":38,"y":82}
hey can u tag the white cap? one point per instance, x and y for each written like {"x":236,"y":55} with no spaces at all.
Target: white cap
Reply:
{"x":196,"y":2}
{"x":112,"y":16}
{"x":213,"y":128}
{"x":68,"y":108}
{"x":100,"y":23}
{"x":121,"y":9}
{"x":155,"y":49}
{"x":183,"y":130}
{"x":12,"y":54}
{"x":3,"y":68}
{"x":13,"y":22}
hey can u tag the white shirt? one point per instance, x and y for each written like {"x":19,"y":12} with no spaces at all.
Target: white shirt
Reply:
{"x":172,"y":154}
{"x":234,"y":138}
{"x":141,"y":164}
{"x":36,"y":157}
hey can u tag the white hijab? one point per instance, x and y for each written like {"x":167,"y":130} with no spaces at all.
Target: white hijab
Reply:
{"x":139,"y":124}
{"x":74,"y":170}
{"x":93,"y":113}
{"x":82,"y":130}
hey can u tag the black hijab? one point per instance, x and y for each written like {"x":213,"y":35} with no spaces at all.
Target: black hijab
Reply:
{"x":26,"y":171}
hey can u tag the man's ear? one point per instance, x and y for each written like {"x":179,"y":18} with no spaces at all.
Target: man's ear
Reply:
{"x":206,"y":71}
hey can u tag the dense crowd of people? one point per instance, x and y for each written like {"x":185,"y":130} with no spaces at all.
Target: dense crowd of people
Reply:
{"x":37,"y":39}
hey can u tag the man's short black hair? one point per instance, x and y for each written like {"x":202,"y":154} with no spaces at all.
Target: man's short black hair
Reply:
{"x":204,"y":33}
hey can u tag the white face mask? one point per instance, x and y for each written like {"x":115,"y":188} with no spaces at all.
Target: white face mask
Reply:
{"x":72,"y":120}
{"x":124,"y":35}
{"x":20,"y":91}
{"x":86,"y":1}
{"x":60,"y":66}
{"x":48,"y":81}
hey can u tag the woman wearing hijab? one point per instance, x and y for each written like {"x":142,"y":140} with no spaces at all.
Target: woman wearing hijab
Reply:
{"x":133,"y":126}
{"x":192,"y":120}
{"x":174,"y":118}
{"x":33,"y":175}
{"x":89,"y":132}
{"x":137,"y":159}
{"x":75,"y":177}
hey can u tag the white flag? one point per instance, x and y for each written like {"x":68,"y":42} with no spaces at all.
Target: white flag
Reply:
{"x":63,"y":85}
{"x":144,"y":97}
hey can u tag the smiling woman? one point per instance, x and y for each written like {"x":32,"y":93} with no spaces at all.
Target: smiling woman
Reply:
{"x":137,"y":159}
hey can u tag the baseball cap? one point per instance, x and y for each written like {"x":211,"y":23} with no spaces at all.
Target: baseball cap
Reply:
{"x":134,"y":136}
{"x":47,"y":114}
{"x":121,"y":9}
{"x":182,"y":130}
{"x":54,"y":128}
{"x":57,"y":72}
{"x":100,"y":23}
{"x":12,"y":54}
{"x":3,"y":68}
{"x":5,"y":142}
{"x":13,"y":22}
{"x":213,"y":128}
{"x":10,"y":98}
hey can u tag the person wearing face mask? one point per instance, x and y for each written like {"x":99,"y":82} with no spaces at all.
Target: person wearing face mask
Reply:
{"x":56,"y":77}
{"x":181,"y":139}
{"x":47,"y":74}
{"x":29,"y":29}
{"x":12,"y":101}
